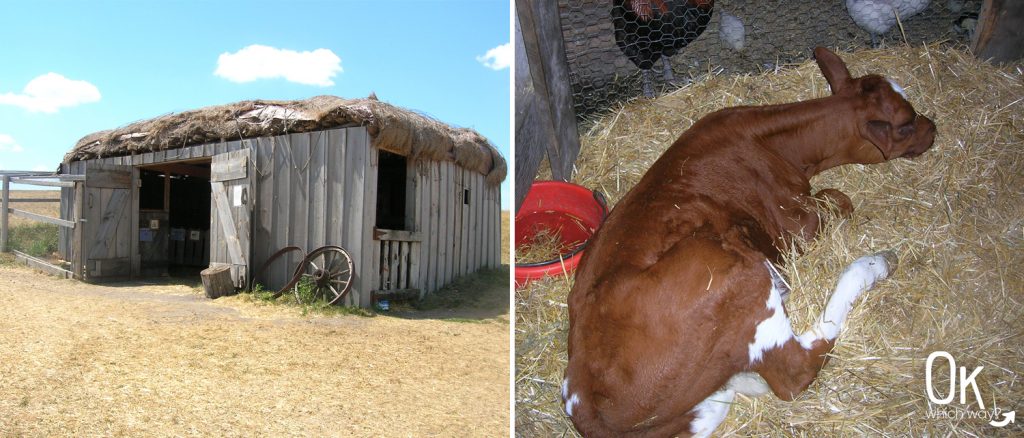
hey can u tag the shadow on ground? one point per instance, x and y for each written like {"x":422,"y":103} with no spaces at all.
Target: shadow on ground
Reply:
{"x":481,"y":296}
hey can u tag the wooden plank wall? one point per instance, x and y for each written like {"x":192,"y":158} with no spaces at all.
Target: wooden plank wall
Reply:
{"x":319,"y":188}
{"x":458,"y":239}
{"x":316,"y":189}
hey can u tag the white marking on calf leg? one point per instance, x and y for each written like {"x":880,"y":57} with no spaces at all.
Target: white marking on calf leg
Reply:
{"x":709,"y":413}
{"x":897,"y":88}
{"x":571,"y":403}
{"x":858,"y":278}
{"x":776,"y":329}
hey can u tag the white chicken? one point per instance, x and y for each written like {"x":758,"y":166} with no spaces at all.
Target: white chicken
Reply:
{"x":732,"y":32}
{"x":879,"y":16}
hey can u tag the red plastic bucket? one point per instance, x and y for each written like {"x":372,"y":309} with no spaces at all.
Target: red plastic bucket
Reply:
{"x":574,"y":212}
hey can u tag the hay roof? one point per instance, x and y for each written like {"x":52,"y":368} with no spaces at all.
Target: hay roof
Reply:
{"x":955,"y":215}
{"x":391,"y":128}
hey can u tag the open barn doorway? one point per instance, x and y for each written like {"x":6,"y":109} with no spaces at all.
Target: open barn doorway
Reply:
{"x":173,"y":219}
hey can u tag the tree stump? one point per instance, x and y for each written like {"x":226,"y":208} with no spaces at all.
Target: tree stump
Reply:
{"x":217,"y":281}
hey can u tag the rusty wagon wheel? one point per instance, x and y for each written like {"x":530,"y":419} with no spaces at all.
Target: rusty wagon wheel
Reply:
{"x":326,"y":273}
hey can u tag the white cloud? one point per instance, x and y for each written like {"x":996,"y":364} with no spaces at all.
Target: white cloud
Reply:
{"x":497,"y":58}
{"x":317,"y":67}
{"x":42,"y":168}
{"x":51,"y":92}
{"x":7,"y":144}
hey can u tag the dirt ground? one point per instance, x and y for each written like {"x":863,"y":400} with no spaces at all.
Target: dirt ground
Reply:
{"x":161,"y":360}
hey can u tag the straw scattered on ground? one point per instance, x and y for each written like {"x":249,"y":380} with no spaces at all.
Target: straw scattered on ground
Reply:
{"x":136,"y":359}
{"x":955,"y":216}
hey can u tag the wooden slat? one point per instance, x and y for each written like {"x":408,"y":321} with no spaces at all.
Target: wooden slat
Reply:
{"x":544,"y":111}
{"x":485,"y":224}
{"x":5,"y":192}
{"x":336,"y":201}
{"x":394,"y":250}
{"x":433,"y":251}
{"x":317,"y":189}
{"x":227,"y":224}
{"x":229,"y":169}
{"x":444,"y":230}
{"x":39,"y":182}
{"x":403,"y":235}
{"x":369,"y":210}
{"x":110,"y":221}
{"x":108,"y":177}
{"x":262,"y":245}
{"x":355,"y":192}
{"x":78,"y":233}
{"x":463,"y":232}
{"x":297,"y":151}
{"x":497,"y":227}
{"x":478,"y":213}
{"x":34,"y":200}
{"x":42,"y":265}
{"x":281,"y":226}
{"x":134,"y":256}
{"x":998,"y":36}
{"x":422,"y":216}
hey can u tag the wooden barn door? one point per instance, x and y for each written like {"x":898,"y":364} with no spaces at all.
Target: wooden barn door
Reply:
{"x":106,"y":231}
{"x":230,"y":214}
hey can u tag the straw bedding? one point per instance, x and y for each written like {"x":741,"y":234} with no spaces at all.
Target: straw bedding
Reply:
{"x":955,"y":216}
{"x":391,"y":128}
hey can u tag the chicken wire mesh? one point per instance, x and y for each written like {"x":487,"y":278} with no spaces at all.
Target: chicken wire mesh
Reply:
{"x":617,"y":50}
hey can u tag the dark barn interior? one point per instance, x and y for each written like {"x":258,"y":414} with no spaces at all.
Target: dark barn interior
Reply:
{"x":174,"y":219}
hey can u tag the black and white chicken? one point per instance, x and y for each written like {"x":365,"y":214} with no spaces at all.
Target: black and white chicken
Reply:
{"x":649,"y":30}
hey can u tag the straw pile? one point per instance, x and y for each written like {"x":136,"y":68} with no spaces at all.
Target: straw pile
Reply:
{"x":954,"y":216}
{"x":545,"y":245}
{"x":391,"y":128}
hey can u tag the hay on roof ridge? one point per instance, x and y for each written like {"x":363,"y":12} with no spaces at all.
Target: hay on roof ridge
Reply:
{"x":391,"y":128}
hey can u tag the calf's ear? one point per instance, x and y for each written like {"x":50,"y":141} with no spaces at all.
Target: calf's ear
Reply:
{"x":833,"y":68}
{"x":879,"y":133}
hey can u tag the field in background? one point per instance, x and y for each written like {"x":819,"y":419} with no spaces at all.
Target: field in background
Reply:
{"x":51,"y":209}
{"x":33,"y":237}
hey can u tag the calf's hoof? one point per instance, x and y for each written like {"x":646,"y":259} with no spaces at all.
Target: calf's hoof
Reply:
{"x":891,"y":261}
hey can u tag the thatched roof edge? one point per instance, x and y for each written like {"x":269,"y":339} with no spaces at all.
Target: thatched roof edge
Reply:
{"x":391,"y":128}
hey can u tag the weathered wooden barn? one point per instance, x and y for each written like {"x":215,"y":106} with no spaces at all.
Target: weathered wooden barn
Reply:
{"x":415,"y":202}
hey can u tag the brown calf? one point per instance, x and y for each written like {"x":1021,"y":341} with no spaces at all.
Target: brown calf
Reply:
{"x":677,"y":306}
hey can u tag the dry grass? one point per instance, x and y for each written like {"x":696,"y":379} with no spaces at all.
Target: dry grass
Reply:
{"x":138,"y":360}
{"x":546,"y":245}
{"x":954,"y":216}
{"x":51,"y":209}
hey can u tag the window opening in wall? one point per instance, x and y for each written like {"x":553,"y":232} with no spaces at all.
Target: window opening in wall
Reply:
{"x":392,"y":185}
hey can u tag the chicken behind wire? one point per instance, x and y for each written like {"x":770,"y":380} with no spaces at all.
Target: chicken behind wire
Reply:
{"x":649,"y":30}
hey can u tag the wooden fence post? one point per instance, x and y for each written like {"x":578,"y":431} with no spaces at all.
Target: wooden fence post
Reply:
{"x":545,"y":119}
{"x":6,"y":192}
{"x":998,"y":37}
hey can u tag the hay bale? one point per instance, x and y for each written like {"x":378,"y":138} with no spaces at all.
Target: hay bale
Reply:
{"x":391,"y":128}
{"x":955,"y":215}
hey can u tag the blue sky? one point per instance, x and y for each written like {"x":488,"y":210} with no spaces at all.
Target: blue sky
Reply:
{"x":68,"y":69}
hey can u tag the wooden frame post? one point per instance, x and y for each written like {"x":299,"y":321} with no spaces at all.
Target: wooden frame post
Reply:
{"x":998,"y":37}
{"x":545,"y":118}
{"x":6,"y":192}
